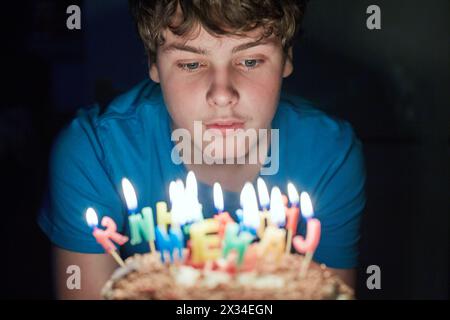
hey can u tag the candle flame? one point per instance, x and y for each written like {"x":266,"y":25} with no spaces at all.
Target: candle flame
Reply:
{"x":172,"y":191}
{"x":218,"y":197}
{"x":263,"y":193}
{"x":91,"y":217}
{"x":191,"y":196}
{"x":306,"y":205}
{"x":129,"y":194}
{"x":191,"y":184}
{"x":250,"y":212}
{"x":180,"y":184}
{"x":292,"y":194}
{"x":277,"y":213}
{"x":176,"y":194}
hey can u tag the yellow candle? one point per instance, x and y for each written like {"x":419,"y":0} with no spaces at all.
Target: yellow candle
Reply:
{"x":265,"y":222}
{"x":273,"y":242}
{"x":264,"y":200}
{"x":162,"y":215}
{"x":205,"y":241}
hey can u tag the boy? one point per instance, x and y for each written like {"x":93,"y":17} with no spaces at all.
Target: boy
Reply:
{"x":218,"y":65}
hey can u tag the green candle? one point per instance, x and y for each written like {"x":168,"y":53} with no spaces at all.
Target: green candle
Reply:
{"x":234,"y":242}
{"x":142,"y":225}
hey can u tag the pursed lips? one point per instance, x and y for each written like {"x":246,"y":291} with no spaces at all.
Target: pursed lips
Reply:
{"x":225,"y":124}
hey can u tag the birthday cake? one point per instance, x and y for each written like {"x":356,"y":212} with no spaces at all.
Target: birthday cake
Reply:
{"x":219,"y":258}
{"x":146,"y":277}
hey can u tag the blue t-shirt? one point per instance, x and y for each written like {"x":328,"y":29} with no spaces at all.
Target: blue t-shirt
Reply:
{"x":132,"y":138}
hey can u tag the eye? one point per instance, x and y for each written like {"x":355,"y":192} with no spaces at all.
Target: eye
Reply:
{"x":250,"y":63}
{"x":190,"y":66}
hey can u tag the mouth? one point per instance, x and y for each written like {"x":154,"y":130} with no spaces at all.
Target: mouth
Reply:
{"x":225,"y":125}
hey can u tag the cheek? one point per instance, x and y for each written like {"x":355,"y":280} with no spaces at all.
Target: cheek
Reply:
{"x":262,"y":95}
{"x":183,"y":100}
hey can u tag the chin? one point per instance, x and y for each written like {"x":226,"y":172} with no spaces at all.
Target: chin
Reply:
{"x":223,"y":157}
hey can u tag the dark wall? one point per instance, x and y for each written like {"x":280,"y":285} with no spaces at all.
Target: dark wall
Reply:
{"x":391,"y":84}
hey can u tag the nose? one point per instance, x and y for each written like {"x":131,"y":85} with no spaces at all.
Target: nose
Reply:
{"x":222,"y":92}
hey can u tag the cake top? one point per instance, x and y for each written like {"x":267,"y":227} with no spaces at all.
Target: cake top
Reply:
{"x":146,"y":277}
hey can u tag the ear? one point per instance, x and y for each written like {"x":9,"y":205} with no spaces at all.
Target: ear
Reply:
{"x":153,"y":71}
{"x":288,"y":64}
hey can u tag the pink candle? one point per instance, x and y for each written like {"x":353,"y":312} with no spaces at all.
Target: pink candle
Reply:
{"x":311,"y":242}
{"x":105,"y":237}
{"x":292,"y":213}
{"x":313,"y":228}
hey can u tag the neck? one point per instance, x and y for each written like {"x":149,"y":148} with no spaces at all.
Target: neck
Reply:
{"x":232,"y":177}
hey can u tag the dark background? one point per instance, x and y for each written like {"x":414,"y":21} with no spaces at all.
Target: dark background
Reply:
{"x":391,"y":84}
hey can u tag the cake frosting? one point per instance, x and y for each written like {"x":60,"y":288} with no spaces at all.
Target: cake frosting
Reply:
{"x":146,"y":277}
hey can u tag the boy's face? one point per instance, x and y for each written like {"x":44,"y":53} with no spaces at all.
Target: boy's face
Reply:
{"x":227,"y":83}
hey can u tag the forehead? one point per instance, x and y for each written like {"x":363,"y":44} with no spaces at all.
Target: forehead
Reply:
{"x":202,"y":39}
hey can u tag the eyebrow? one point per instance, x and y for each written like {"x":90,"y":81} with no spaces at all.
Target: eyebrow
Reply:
{"x":198,"y":50}
{"x":183,"y":47}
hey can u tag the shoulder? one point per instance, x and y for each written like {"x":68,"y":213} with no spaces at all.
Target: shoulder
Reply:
{"x":146,"y":94}
{"x":129,"y":105}
{"x":322,"y":153}
{"x":85,"y":133}
{"x":308,"y":127}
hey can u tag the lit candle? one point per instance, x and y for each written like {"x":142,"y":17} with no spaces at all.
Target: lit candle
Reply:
{"x":205,"y":242}
{"x":166,"y":240}
{"x":233,"y":241}
{"x":177,"y":199}
{"x":130,"y":195}
{"x":277,"y":212}
{"x":218,"y":197}
{"x":292,"y":215}
{"x":190,"y":202}
{"x":250,"y":214}
{"x":192,"y":198}
{"x":176,"y":193}
{"x":263,"y":195}
{"x":106,"y":237}
{"x":272,"y":242}
{"x":308,"y":245}
{"x":169,"y":241}
{"x":223,"y":217}
{"x":140,"y":224}
{"x":180,"y":206}
{"x":163,"y":218}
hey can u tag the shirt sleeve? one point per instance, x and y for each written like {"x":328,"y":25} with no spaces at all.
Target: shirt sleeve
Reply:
{"x":77,"y":181}
{"x":340,"y":199}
